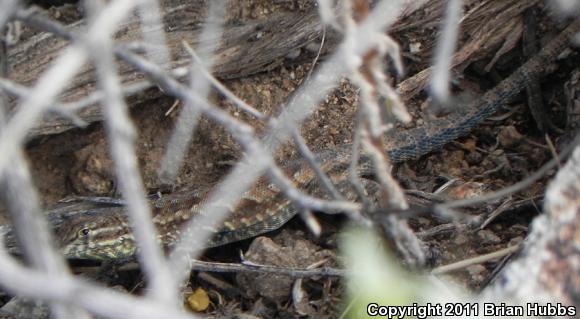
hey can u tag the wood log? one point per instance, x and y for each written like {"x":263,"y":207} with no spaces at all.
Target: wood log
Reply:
{"x":251,"y":47}
{"x":257,"y":46}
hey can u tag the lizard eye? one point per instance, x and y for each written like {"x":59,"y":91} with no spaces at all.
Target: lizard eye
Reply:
{"x":84,"y":232}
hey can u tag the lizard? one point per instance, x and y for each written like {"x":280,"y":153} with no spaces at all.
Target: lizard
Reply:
{"x":98,"y":229}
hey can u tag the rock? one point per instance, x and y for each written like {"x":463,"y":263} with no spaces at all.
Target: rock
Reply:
{"x":292,"y":252}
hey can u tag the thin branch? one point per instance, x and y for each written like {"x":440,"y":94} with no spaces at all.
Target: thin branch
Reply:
{"x":198,"y":265}
{"x":396,"y":197}
{"x":222,"y":88}
{"x":65,"y":289}
{"x":496,"y":212}
{"x":122,"y":136}
{"x":315,"y":60}
{"x":31,"y":229}
{"x":180,"y":139}
{"x":475,"y":260}
{"x":9,"y":7}
{"x":152,"y":31}
{"x":550,"y":255}
{"x":69,"y":109}
{"x":54,"y":80}
{"x":553,"y":163}
{"x":36,"y":241}
{"x":353,"y":168}
{"x":33,"y":17}
{"x":289,"y":190}
{"x":315,"y":165}
{"x":440,"y":79}
{"x":22,"y":92}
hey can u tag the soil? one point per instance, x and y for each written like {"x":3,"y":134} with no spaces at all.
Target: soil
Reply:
{"x":498,"y":153}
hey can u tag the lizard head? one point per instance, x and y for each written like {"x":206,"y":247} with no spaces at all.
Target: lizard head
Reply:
{"x":95,"y":235}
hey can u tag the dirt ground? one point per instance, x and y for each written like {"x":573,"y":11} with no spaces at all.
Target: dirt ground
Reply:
{"x":500,"y":152}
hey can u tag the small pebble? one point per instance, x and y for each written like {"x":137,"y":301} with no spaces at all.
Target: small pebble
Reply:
{"x":198,"y":300}
{"x":488,"y":236}
{"x":460,"y":239}
{"x":509,"y":136}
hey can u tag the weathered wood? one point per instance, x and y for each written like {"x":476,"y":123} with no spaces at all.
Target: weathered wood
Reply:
{"x":483,"y":30}
{"x":245,"y":49}
{"x":256,"y":46}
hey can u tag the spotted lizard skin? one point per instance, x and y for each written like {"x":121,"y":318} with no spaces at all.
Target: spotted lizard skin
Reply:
{"x":99,"y":230}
